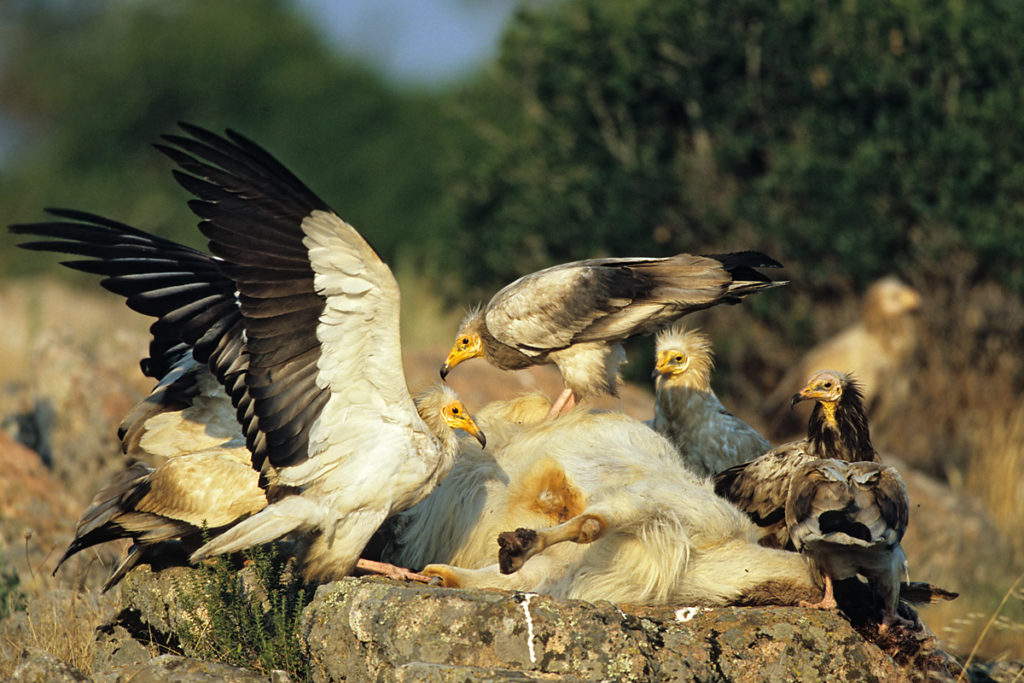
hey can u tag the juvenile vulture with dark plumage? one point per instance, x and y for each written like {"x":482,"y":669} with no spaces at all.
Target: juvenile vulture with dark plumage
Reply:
{"x":687,"y":411}
{"x":828,"y":497}
{"x":297,"y":317}
{"x":576,"y":314}
{"x":837,"y":429}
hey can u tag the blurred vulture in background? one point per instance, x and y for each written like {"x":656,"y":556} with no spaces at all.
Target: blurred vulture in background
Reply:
{"x":576,"y":314}
{"x":688,"y":413}
{"x":296,"y":317}
{"x":876,"y":349}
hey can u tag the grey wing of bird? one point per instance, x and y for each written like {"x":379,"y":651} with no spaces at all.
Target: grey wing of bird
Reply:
{"x":858,"y":503}
{"x":760,"y":487}
{"x":559,"y":306}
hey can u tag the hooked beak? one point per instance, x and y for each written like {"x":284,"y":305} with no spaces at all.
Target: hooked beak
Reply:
{"x":477,"y":433}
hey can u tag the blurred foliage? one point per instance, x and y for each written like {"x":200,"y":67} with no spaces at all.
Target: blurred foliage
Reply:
{"x":12,"y":598}
{"x":89,"y":86}
{"x":847,"y":139}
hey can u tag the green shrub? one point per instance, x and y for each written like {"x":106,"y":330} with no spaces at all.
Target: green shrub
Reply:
{"x":245,"y":618}
{"x":848,"y":139}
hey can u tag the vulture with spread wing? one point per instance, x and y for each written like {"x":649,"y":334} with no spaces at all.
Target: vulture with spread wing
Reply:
{"x":296,"y":317}
{"x":200,"y":477}
{"x":688,"y":413}
{"x":576,"y":314}
{"x":837,"y":429}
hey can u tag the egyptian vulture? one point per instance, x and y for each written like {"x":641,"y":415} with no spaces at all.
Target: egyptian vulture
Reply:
{"x":202,"y":478}
{"x":297,"y":318}
{"x":594,"y":506}
{"x":688,"y":413}
{"x":876,"y":349}
{"x":837,"y":429}
{"x":848,"y":519}
{"x":576,"y":314}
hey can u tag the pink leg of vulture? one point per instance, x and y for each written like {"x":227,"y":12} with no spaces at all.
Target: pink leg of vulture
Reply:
{"x":828,"y":601}
{"x":390,"y":571}
{"x":565,"y":402}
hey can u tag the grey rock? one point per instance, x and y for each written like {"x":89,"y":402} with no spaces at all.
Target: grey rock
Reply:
{"x":380,"y":630}
{"x":175,"y":669}
{"x":38,"y":666}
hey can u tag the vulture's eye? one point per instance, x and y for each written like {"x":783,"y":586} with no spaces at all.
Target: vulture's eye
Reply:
{"x":828,"y":385}
{"x":678,"y":359}
{"x":455,"y":410}
{"x":464,"y":341}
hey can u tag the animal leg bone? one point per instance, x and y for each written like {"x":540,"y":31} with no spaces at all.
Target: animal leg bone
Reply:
{"x":520,"y":545}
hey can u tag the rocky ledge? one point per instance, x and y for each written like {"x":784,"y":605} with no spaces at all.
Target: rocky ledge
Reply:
{"x":375,"y":629}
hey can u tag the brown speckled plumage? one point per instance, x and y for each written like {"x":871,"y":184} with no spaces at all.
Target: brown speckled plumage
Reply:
{"x":837,"y":429}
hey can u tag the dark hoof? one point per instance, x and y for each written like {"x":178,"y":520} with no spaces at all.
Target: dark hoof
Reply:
{"x":514,"y":545}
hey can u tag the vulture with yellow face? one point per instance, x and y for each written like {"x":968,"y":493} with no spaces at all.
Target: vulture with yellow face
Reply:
{"x":296,"y":317}
{"x":828,"y":497}
{"x":687,"y":411}
{"x":837,"y":429}
{"x":575,"y":315}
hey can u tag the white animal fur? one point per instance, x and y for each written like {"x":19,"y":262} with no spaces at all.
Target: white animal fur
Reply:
{"x":669,"y":538}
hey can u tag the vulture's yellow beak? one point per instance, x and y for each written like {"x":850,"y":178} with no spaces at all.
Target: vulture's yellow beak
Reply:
{"x":466,"y":346}
{"x":670,"y":362}
{"x":824,"y":386}
{"x":457,"y":417}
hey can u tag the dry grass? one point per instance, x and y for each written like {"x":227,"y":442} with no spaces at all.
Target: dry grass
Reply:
{"x":56,"y":616}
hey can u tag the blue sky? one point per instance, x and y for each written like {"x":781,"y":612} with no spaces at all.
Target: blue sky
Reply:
{"x":415,"y":41}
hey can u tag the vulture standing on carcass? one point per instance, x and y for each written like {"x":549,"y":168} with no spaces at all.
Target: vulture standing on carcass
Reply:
{"x":576,"y":314}
{"x":688,"y":413}
{"x":592,"y":506}
{"x":297,"y":317}
{"x":876,"y":349}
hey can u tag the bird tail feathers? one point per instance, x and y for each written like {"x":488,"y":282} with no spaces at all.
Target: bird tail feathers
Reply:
{"x":292,"y":513}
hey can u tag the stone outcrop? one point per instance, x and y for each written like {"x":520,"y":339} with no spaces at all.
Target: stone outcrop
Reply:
{"x":375,"y":629}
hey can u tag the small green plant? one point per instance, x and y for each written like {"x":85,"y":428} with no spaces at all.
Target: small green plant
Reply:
{"x":12,"y":598}
{"x":248,"y":617}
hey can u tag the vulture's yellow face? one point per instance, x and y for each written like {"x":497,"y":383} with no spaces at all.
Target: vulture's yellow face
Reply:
{"x":825,"y":387}
{"x":456,"y":416}
{"x":466,"y":346}
{"x":670,"y":362}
